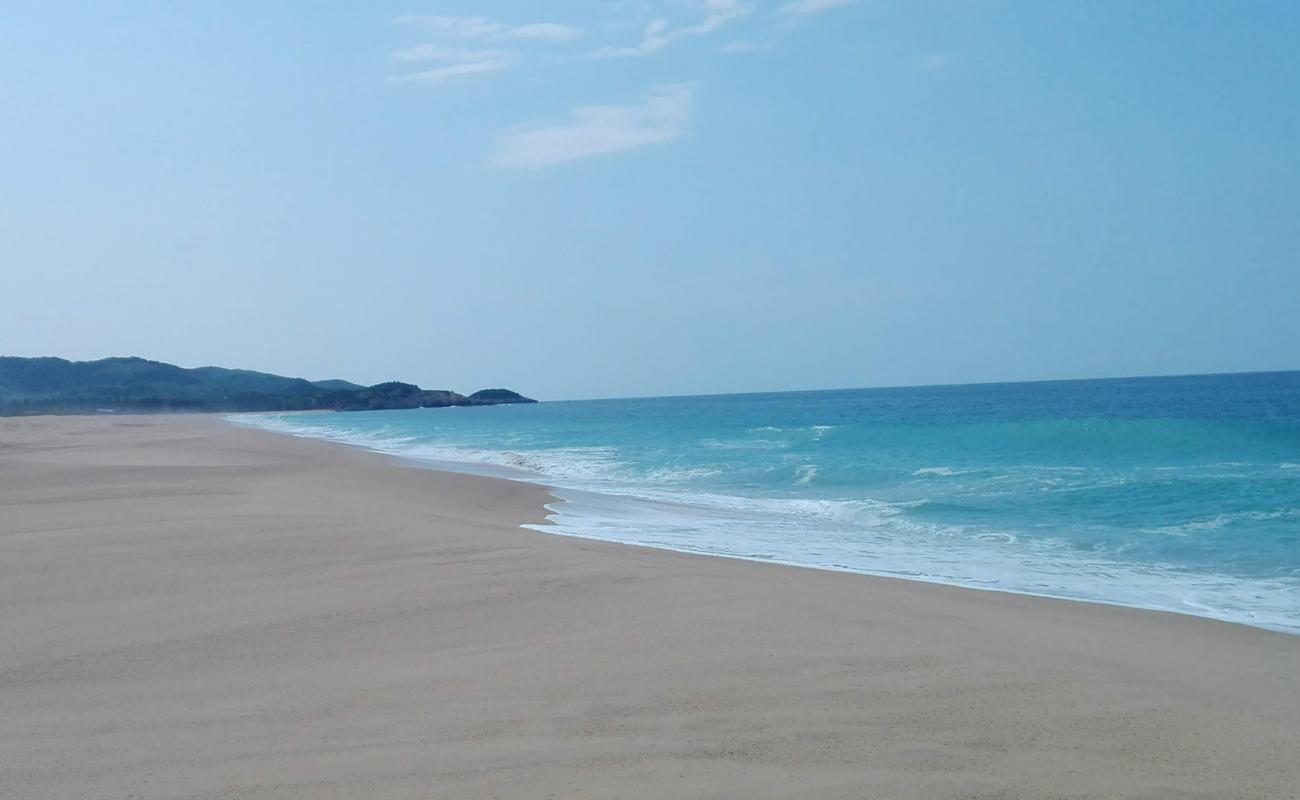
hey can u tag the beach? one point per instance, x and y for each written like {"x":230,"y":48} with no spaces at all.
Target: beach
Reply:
{"x":194,"y":610}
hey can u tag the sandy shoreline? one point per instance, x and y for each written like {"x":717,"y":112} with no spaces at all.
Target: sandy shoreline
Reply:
{"x":195,"y":610}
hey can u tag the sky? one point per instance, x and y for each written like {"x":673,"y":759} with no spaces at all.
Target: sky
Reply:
{"x":650,"y":197}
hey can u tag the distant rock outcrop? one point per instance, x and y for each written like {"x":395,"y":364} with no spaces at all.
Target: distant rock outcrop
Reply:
{"x":396,"y":395}
{"x":59,"y":386}
{"x":493,"y":397}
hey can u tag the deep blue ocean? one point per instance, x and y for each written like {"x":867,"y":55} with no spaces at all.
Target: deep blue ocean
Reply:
{"x":1180,"y":494}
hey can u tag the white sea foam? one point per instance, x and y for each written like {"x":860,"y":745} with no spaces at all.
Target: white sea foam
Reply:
{"x":560,"y":463}
{"x":864,"y":535}
{"x":680,"y":474}
{"x":940,"y":471}
{"x":746,"y":444}
{"x":984,"y":561}
{"x":1223,"y":520}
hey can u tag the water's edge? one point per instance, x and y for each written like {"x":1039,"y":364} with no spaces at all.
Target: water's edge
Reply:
{"x":574,"y":513}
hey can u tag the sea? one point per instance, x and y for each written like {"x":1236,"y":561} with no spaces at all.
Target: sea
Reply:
{"x":1173,"y":493}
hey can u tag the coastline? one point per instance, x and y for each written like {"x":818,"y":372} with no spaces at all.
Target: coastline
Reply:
{"x":642,"y":516}
{"x":200,"y":609}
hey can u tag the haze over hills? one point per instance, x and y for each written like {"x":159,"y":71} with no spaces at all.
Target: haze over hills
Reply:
{"x":118,"y":385}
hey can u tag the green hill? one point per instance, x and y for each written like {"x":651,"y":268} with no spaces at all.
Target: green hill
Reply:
{"x":56,"y":385}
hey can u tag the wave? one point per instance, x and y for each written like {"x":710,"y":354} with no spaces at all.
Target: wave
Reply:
{"x":1224,"y":520}
{"x":820,"y":431}
{"x":761,"y":495}
{"x":943,"y":472}
{"x":746,"y":444}
{"x":986,"y":560}
{"x":680,"y":474}
{"x":806,"y":474}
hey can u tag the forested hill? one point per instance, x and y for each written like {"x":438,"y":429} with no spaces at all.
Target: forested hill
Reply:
{"x":120,"y":385}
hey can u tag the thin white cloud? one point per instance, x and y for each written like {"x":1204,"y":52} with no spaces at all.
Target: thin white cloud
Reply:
{"x":805,"y":7}
{"x":543,"y":32}
{"x":463,"y":27}
{"x":659,"y":33}
{"x":484,"y":28}
{"x":662,"y":116}
{"x":449,"y":72}
{"x":464,"y":61}
{"x":743,"y":47}
{"x":933,"y":62}
{"x":434,"y":52}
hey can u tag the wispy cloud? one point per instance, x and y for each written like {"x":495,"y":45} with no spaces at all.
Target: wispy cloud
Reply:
{"x":463,"y":61}
{"x":463,"y":27}
{"x":434,"y":52}
{"x":805,"y":7}
{"x":744,"y":47}
{"x":662,"y":116}
{"x":449,"y":72}
{"x":484,"y":28}
{"x":932,"y":62}
{"x":660,"y":33}
{"x":543,"y":32}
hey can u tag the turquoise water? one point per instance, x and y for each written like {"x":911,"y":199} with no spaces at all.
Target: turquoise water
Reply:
{"x":1180,"y":494}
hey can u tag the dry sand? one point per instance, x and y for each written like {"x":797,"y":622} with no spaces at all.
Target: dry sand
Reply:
{"x":192,"y":610}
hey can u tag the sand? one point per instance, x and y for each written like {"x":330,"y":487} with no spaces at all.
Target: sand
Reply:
{"x":193,"y":610}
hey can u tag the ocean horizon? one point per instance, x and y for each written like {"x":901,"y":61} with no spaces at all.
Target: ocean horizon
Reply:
{"x":1177,"y":493}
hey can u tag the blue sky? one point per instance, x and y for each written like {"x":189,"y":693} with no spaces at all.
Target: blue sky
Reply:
{"x":654,"y":196}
